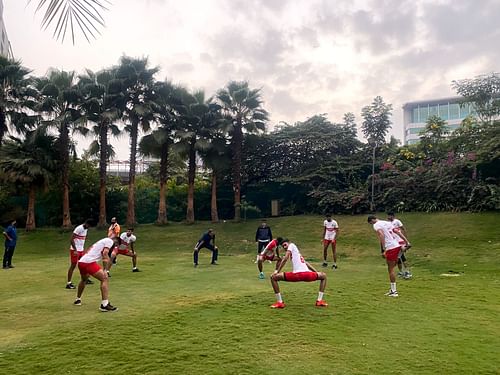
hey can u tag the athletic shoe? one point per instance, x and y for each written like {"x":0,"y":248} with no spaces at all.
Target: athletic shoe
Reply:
{"x":390,"y":293}
{"x":214,"y":264}
{"x":324,"y":264}
{"x":136,"y":270}
{"x":261,"y":275}
{"x":11,"y":266}
{"x":89,"y":282}
{"x":401,"y":274}
{"x":195,"y":265}
{"x":70,"y":286}
{"x":407,"y":275}
{"x":77,"y":302}
{"x":108,"y":307}
{"x":334,"y":267}
{"x":321,"y":303}
{"x":268,"y":261}
{"x":278,"y":305}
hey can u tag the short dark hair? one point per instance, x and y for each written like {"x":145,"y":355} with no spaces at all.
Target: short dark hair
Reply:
{"x":88,"y":222}
{"x":371,"y":217}
{"x":390,"y":213}
{"x":280,"y":240}
{"x":130,"y":229}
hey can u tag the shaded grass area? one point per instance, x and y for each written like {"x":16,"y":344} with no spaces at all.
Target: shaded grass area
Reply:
{"x":173,"y":318}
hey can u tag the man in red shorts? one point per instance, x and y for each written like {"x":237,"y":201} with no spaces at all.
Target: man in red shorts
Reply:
{"x":301,"y":271}
{"x":77,"y":245}
{"x":126,"y":247}
{"x":88,"y":267}
{"x":270,"y":253}
{"x":389,"y":244}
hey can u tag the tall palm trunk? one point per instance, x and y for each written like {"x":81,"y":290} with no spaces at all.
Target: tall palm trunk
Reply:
{"x":131,"y":175}
{"x":237,"y":145}
{"x":213,"y":204}
{"x":103,"y":161}
{"x":162,"y":205}
{"x":64,"y":152}
{"x":30,"y":220}
{"x":191,"y":176}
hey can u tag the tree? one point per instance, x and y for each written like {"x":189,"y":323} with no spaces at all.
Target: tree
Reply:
{"x":433,"y":137}
{"x":375,"y":126}
{"x":16,"y":97}
{"x":30,"y":162}
{"x":60,"y":106}
{"x":139,"y":110}
{"x":102,"y":105}
{"x":242,"y":108}
{"x":86,"y":14}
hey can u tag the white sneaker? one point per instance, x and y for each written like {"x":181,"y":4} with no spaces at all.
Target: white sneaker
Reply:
{"x":407,"y":275}
{"x":390,"y":293}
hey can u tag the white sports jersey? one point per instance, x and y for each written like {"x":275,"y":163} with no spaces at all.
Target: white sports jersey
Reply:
{"x":330,"y":232}
{"x":80,"y":234}
{"x":396,"y":224}
{"x":298,"y":262}
{"x":391,"y":239}
{"x":94,"y":253}
{"x":126,"y":240}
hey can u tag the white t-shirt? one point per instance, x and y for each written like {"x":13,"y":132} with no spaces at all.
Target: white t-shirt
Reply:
{"x":94,"y":253}
{"x":298,"y":262}
{"x":330,"y":232}
{"x":396,"y":224}
{"x":80,"y":234}
{"x":126,"y":240}
{"x":391,"y":239}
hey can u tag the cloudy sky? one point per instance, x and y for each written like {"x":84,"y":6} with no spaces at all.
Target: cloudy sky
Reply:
{"x":308,"y":56}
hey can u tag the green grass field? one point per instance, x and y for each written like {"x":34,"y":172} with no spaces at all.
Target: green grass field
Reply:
{"x":173,"y":318}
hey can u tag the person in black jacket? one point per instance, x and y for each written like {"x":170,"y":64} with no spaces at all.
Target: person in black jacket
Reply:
{"x":207,"y":240}
{"x":263,"y":236}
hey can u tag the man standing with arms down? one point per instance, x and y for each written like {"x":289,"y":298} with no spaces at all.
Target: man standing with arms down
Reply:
{"x":10,"y":235}
{"x":88,"y":267}
{"x":389,"y":242}
{"x":301,"y":271}
{"x":76,"y":250}
{"x":330,"y":230}
{"x":263,"y":236}
{"x":113,"y":232}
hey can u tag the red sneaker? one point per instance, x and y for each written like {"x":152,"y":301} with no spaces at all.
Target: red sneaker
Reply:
{"x":321,"y":303}
{"x":278,"y":305}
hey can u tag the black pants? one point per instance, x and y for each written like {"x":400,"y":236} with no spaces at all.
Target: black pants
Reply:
{"x":210,"y":247}
{"x":7,"y":255}
{"x":261,"y":245}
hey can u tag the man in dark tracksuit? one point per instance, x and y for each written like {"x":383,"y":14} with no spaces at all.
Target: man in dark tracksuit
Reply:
{"x":10,"y":235}
{"x":207,"y":241}
{"x":263,"y":236}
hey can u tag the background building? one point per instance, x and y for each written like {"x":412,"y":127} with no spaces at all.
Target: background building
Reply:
{"x":5,"y":49}
{"x":415,"y":115}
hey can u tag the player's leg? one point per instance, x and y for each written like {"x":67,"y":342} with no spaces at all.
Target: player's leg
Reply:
{"x":275,"y":277}
{"x":391,"y":266}
{"x":103,"y":278}
{"x":195,"y":256}
{"x":215,"y":253}
{"x":260,"y":261}
{"x":72,"y":265}
{"x":325,"y":253}
{"x":321,"y":276}
{"x":134,"y":262}
{"x":334,"y":252}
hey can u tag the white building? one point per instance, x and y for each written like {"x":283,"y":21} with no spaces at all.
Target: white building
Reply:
{"x":415,"y":115}
{"x":5,"y":49}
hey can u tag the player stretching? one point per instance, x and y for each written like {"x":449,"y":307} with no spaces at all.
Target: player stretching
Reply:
{"x":270,"y":252}
{"x":88,"y":267}
{"x":330,"y":230}
{"x":389,"y":242}
{"x":207,"y":240}
{"x":126,"y":247}
{"x":404,"y":270}
{"x":301,"y":271}
{"x":77,"y":245}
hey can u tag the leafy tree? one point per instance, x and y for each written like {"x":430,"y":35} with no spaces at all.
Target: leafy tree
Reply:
{"x":30,"y":162}
{"x":242,"y":108}
{"x":139,"y":110}
{"x":375,"y":126}
{"x":433,"y":138}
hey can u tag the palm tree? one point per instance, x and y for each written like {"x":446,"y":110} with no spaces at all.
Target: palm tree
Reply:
{"x":16,"y":96}
{"x":86,"y":14}
{"x":60,"y":107}
{"x":242,"y":108}
{"x":102,"y":105}
{"x":139,"y":109}
{"x":158,"y":143}
{"x":30,"y":162}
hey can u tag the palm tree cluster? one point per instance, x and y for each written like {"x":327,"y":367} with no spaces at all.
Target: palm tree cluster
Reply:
{"x":40,"y":116}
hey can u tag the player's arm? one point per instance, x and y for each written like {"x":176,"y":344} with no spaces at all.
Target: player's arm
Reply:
{"x":381,"y":238}
{"x":131,"y":245}
{"x":287,"y":256}
{"x":6,"y":235}
{"x":311,"y":267}
{"x":199,"y":244}
{"x":106,"y":261}
{"x":324,"y":232}
{"x":72,"y":241}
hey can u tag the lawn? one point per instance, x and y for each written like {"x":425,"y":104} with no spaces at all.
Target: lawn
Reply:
{"x":173,"y":318}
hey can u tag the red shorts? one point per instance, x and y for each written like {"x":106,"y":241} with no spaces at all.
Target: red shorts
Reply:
{"x":124,"y":251}
{"x":328,"y":242}
{"x":88,"y":268}
{"x":300,"y":276}
{"x":75,"y":256}
{"x":268,"y":257}
{"x":392,"y":254}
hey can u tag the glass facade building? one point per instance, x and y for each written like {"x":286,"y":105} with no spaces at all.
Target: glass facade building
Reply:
{"x":415,"y":115}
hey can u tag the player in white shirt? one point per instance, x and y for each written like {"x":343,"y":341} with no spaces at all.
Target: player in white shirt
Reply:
{"x":389,"y":242}
{"x":330,"y":231}
{"x":126,"y":247}
{"x":404,"y":269}
{"x":88,"y":267}
{"x":77,"y":246}
{"x":301,"y":271}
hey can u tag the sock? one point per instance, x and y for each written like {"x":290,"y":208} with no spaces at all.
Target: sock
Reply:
{"x":320,"y":296}
{"x":69,"y":282}
{"x":393,"y":287}
{"x":104,"y":302}
{"x":78,"y":299}
{"x":134,"y":268}
{"x":278,"y":297}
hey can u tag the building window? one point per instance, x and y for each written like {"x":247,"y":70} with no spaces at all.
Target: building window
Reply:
{"x":423,"y":113}
{"x":454,"y":111}
{"x":433,"y":111}
{"x":415,"y":130}
{"x":414,"y":117}
{"x":443,"y":111}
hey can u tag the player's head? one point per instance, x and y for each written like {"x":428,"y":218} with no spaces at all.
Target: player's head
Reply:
{"x":130,"y":230}
{"x":372,"y":219}
{"x":211,"y":232}
{"x":328,"y":217}
{"x":284,"y":243}
{"x":13,"y":222}
{"x":280,"y":240}
{"x":263,"y":223}
{"x":113,"y":220}
{"x":87,"y":223}
{"x":390,"y":215}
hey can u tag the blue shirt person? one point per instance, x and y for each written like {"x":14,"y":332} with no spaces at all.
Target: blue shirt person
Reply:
{"x":207,"y":241}
{"x":10,"y":235}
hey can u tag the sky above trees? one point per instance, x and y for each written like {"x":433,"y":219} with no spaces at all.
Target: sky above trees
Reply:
{"x":309,"y":56}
